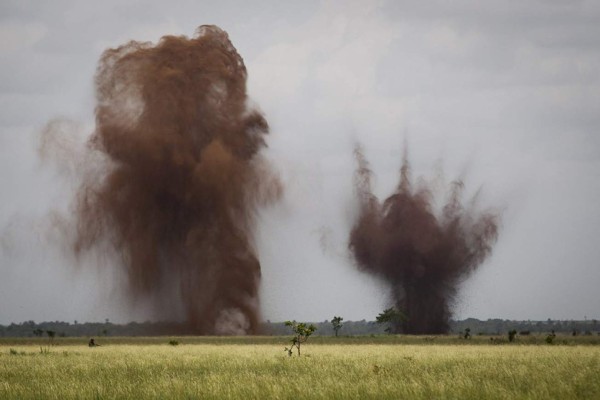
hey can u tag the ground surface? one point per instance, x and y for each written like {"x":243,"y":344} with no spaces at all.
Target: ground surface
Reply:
{"x":257,"y":367}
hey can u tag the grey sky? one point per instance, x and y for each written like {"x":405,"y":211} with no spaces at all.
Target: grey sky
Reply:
{"x":506,"y":94}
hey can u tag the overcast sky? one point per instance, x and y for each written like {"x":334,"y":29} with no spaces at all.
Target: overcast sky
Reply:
{"x":505,"y":94}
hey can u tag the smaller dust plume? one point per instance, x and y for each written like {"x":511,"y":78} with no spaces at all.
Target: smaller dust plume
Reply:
{"x":423,"y":254}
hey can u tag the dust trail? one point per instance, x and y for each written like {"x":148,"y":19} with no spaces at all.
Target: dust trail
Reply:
{"x":183,"y":178}
{"x":423,"y":254}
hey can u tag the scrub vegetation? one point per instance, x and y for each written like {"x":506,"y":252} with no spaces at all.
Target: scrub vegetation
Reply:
{"x":386,"y":366}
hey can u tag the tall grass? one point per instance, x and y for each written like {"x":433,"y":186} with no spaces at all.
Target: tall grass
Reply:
{"x":326,"y":371}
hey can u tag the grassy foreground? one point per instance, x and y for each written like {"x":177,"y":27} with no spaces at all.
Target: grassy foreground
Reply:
{"x":223,"y":368}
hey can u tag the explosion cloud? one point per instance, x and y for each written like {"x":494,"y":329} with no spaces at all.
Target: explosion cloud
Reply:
{"x":184,"y":177}
{"x":424,"y":255}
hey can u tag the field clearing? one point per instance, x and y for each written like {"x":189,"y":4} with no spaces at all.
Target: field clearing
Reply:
{"x":257,"y":367}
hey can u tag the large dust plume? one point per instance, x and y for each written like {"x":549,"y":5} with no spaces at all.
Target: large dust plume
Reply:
{"x":184,"y":177}
{"x":422,"y":253}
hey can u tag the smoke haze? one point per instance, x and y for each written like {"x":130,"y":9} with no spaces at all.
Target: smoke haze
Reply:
{"x":182,"y":179}
{"x":424,"y":255}
{"x":510,"y":88}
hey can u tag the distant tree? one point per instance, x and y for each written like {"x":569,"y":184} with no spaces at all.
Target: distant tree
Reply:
{"x":550,"y":337}
{"x":38,"y":332}
{"x":336,"y":322}
{"x":301,"y":333}
{"x":51,"y":335}
{"x":392,"y":317}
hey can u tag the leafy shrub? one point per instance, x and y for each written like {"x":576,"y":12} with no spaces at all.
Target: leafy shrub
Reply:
{"x":302,"y":331}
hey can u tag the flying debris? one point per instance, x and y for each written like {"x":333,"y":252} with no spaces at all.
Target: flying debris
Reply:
{"x":183,"y":178}
{"x":422,"y":254}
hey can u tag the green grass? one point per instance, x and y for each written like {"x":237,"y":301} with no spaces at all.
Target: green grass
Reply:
{"x":484,"y":340}
{"x":257,"y":367}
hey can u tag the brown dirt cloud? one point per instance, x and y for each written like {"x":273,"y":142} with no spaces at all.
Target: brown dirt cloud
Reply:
{"x":184,"y":177}
{"x":423,"y":254}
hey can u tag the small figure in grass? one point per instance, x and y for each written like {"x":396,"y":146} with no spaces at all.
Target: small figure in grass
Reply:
{"x":92,"y":343}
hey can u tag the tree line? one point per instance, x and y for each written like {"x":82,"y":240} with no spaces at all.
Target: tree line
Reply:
{"x":385,"y":323}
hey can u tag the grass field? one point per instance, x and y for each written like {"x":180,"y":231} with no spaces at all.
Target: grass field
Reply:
{"x":257,"y":367}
